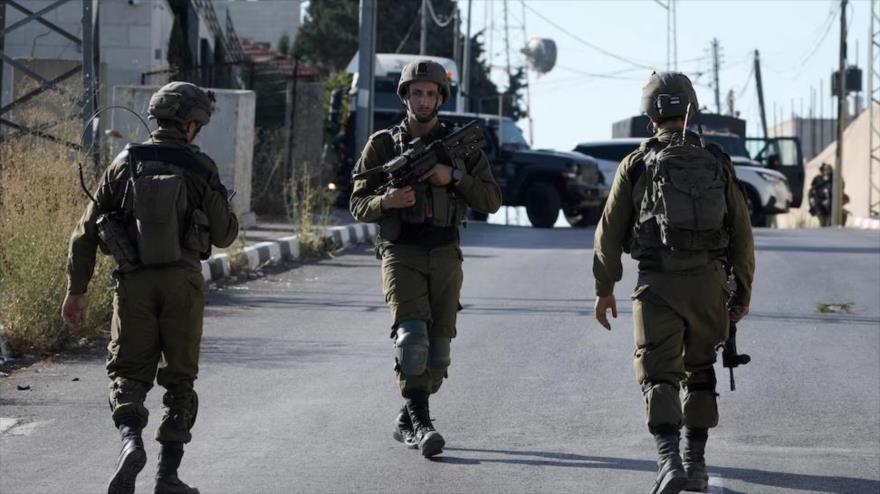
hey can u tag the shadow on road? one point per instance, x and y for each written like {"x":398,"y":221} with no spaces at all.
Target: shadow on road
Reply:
{"x":812,"y":483}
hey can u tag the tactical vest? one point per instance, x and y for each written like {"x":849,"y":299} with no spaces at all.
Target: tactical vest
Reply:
{"x":435,"y":206}
{"x":683,"y":214}
{"x":156,"y":224}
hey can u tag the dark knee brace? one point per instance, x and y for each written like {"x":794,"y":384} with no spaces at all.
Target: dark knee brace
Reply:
{"x":181,"y":409}
{"x":411,"y":347}
{"x":700,"y":400}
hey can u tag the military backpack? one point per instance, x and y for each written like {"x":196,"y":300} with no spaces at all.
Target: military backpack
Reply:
{"x":156,"y":224}
{"x":684,"y":209}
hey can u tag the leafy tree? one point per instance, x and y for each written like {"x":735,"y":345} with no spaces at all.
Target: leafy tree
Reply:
{"x":328,"y":39}
{"x":284,"y":44}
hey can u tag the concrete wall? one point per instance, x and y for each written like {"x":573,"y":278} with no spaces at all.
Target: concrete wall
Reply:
{"x":856,"y":174}
{"x":228,"y":138}
{"x":261,"y":20}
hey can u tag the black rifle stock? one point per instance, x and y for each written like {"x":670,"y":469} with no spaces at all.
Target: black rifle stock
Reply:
{"x":409,"y":167}
{"x":730,"y":358}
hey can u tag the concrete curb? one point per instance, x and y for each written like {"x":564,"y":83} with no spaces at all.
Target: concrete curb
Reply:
{"x":284,"y":249}
{"x":866,"y":223}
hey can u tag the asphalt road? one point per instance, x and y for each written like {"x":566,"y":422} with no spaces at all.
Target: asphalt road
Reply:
{"x":297,"y":394}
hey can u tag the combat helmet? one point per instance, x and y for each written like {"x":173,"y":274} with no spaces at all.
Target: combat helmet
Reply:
{"x":423,"y":70}
{"x":667,"y":94}
{"x":182,"y":102}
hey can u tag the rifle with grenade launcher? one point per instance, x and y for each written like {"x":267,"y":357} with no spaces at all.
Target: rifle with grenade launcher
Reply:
{"x":409,"y":167}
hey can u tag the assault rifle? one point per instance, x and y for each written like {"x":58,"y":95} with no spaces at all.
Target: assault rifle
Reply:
{"x":730,"y":358}
{"x":407,"y":168}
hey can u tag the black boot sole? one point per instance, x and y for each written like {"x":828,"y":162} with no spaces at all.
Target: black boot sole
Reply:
{"x":671,"y":483}
{"x":125,"y":476}
{"x":432,"y":444}
{"x":411,"y":444}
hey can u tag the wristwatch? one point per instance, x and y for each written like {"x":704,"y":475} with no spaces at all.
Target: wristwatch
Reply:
{"x":457,"y":175}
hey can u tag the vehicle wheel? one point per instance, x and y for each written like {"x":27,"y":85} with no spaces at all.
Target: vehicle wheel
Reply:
{"x":585,"y":217}
{"x":477,"y":216}
{"x":757,"y":217}
{"x":542,"y":205}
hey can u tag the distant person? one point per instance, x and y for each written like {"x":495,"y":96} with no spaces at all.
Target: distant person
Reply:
{"x":821,"y":194}
{"x":158,"y":226}
{"x":676,"y":208}
{"x":419,"y":246}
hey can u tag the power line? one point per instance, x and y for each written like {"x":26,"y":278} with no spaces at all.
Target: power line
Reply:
{"x":587,"y":43}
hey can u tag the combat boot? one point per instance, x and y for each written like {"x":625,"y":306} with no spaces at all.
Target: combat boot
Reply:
{"x":403,"y":429}
{"x":694,"y":458}
{"x":167,"y":481}
{"x":429,"y":441}
{"x":671,"y":477}
{"x":132,"y":459}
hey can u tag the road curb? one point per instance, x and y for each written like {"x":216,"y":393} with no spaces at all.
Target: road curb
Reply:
{"x":283,"y":249}
{"x":866,"y":223}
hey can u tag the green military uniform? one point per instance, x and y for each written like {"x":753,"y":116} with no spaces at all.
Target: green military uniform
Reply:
{"x":421,"y":262}
{"x":157,"y":316}
{"x":680,"y":317}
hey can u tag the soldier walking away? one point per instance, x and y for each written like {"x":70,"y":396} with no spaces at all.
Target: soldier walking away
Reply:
{"x":676,"y":208}
{"x":419,"y":246}
{"x":158,"y":209}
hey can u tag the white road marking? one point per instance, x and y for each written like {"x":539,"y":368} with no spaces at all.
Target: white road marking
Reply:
{"x":716,"y":484}
{"x":18,"y":427}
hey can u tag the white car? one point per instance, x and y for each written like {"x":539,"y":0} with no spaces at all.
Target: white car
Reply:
{"x":767,"y":191}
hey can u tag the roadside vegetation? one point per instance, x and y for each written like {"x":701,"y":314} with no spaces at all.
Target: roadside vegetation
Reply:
{"x":40,"y":203}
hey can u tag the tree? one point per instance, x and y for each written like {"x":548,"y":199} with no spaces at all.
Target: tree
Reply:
{"x":284,"y":44}
{"x":328,"y":39}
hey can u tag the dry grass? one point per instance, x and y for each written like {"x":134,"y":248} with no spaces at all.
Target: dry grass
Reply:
{"x":40,"y":203}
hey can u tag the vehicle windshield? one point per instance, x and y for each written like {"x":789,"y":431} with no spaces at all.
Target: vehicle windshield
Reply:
{"x":732,"y":145}
{"x":510,"y":134}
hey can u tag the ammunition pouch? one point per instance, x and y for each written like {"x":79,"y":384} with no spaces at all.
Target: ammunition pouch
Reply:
{"x":115,"y":241}
{"x":197,"y":236}
{"x":438,"y":206}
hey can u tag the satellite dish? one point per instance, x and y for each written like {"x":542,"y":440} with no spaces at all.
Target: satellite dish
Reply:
{"x":541,"y":54}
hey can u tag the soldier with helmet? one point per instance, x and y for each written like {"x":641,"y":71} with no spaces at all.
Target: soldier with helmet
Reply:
{"x":419,"y":246}
{"x":159,"y":208}
{"x":676,"y":208}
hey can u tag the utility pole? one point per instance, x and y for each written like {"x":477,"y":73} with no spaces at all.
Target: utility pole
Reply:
{"x":837,"y":194}
{"x":715,"y":67}
{"x":456,"y":35}
{"x":366,"y":61}
{"x":465,"y":89}
{"x":760,"y":88}
{"x":423,"y":40}
{"x":730,"y":103}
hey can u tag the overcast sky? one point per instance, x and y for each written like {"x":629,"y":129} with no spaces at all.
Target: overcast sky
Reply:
{"x":588,"y":90}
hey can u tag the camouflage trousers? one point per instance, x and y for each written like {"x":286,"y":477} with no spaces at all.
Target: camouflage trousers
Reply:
{"x":424,"y":284}
{"x":156,"y":334}
{"x":680,"y":321}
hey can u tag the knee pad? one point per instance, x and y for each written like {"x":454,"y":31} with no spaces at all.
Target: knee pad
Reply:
{"x":700,"y":400}
{"x":411,"y":347}
{"x":181,"y":406}
{"x":439,"y":353}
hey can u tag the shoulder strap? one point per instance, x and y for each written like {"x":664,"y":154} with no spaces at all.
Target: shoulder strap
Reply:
{"x":172,"y":156}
